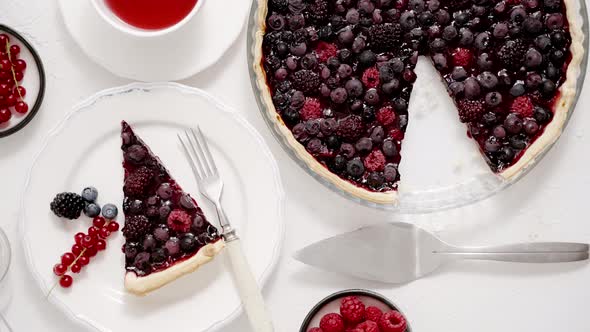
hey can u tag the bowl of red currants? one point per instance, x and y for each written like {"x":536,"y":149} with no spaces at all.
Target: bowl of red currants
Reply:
{"x":22,"y":81}
{"x":355,"y":310}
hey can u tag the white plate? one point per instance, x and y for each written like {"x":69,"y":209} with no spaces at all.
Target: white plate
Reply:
{"x":174,"y":56}
{"x":84,"y":149}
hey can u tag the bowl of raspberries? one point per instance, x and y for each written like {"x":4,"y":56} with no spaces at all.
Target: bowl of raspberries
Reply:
{"x":355,"y":310}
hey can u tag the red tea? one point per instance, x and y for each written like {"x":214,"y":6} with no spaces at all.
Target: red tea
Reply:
{"x":151,"y":14}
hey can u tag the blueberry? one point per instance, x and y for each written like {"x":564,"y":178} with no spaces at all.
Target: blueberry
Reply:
{"x":391,"y":87}
{"x":416,"y":5}
{"x":164,"y":211}
{"x":366,"y":6}
{"x":442,"y":17}
{"x":347,"y":150}
{"x":465,"y":37}
{"x":461,"y":18}
{"x":500,"y":30}
{"x":400,"y":105}
{"x":355,"y":167}
{"x":377,"y":16}
{"x":557,"y":56}
{"x":390,"y":172}
{"x":345,"y":55}
{"x":533,"y":80}
{"x":344,"y":70}
{"x":309,"y":61}
{"x":296,"y":21}
{"x":478,"y":10}
{"x":457,"y":88}
{"x":532,"y":25}
{"x":333,"y":63}
{"x":489,"y":118}
{"x":558,"y":38}
{"x":389,"y":148}
{"x":517,"y":90}
{"x":339,"y":162}
{"x":325,"y":72}
{"x":346,"y":36}
{"x":487,"y":80}
{"x":493,"y":98}
{"x":338,"y":95}
{"x":333,"y":142}
{"x":492,"y":144}
{"x":408,"y":20}
{"x":437,"y":45}
{"x":89,"y":194}
{"x":500,"y":7}
{"x":367,"y":58}
{"x":131,"y":250}
{"x":312,"y":127}
{"x":484,"y":61}
{"x":358,"y":45}
{"x":291,"y":115}
{"x":531,"y":4}
{"x":433,"y":5}
{"x":543,"y":42}
{"x":136,"y":153}
{"x":554,"y":21}
{"x":372,"y":97}
{"x":328,"y":126}
{"x":552,"y":4}
{"x":386,"y":73}
{"x":282,"y":49}
{"x":518,"y":14}
{"x":531,"y":127}
{"x":426,"y":19}
{"x":517,"y":142}
{"x":499,"y":132}
{"x":513,"y":123}
{"x":92,"y":210}
{"x":188,"y":242}
{"x":110,"y":211}
{"x":375,"y":180}
{"x":356,"y":106}
{"x":173,"y":246}
{"x":459,"y":73}
{"x":164,"y":191}
{"x":449,"y":33}
{"x":352,"y":16}
{"x":142,"y":261}
{"x":314,"y":146}
{"x":136,"y":206}
{"x":472,"y":88}
{"x":159,"y":255}
{"x":377,"y":135}
{"x":397,"y":65}
{"x":482,"y":41}
{"x":506,"y":154}
{"x":198,"y":223}
{"x":533,"y":58}
{"x":548,"y":88}
{"x":364,"y":145}
{"x":504,"y":77}
{"x":149,"y":243}
{"x":541,"y":114}
{"x":440,"y":61}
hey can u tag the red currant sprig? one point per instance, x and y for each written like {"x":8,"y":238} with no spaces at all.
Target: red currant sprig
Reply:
{"x":85,"y":247}
{"x":11,"y":73}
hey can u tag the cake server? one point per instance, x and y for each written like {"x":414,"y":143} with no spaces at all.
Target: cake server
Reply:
{"x":211,"y":186}
{"x":401,"y":252}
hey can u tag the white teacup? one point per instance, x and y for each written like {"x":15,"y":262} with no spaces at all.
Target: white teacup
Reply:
{"x":107,"y":14}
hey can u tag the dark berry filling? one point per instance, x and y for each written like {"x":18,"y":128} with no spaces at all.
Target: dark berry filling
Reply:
{"x":163,"y":224}
{"x":341,"y":74}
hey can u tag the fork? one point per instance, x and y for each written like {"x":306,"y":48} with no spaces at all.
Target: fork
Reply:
{"x":211,"y":186}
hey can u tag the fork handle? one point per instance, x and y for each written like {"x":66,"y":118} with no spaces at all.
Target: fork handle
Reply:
{"x":248,"y":288}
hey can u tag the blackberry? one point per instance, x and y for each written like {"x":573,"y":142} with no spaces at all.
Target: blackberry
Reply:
{"x":136,"y":227}
{"x":512,"y":53}
{"x":137,"y":182}
{"x":67,"y":205}
{"x":279,"y":5}
{"x":306,"y":81}
{"x":470,"y":110}
{"x":384,"y":37}
{"x":318,"y":11}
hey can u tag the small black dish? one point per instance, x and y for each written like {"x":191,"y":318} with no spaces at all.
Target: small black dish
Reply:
{"x":34,"y":108}
{"x":350,"y":292}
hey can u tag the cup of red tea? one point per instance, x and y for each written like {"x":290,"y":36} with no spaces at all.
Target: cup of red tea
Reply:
{"x":147,"y":18}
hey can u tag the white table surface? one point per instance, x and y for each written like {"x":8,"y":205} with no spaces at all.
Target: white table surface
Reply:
{"x":551,"y":203}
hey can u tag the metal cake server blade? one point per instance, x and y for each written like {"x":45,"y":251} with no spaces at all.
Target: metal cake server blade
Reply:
{"x":401,"y":252}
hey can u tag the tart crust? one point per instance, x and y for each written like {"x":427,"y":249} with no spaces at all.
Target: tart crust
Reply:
{"x":143,"y":285}
{"x":561,"y":110}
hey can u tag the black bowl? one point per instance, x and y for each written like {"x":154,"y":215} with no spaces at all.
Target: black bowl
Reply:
{"x":37,"y":104}
{"x":350,"y":292}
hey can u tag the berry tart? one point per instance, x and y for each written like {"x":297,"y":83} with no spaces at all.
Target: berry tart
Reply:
{"x":337,"y":76}
{"x":166,"y":233}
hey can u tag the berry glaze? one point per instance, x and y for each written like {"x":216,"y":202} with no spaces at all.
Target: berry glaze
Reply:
{"x":341,"y":74}
{"x":151,"y":14}
{"x":163,"y":224}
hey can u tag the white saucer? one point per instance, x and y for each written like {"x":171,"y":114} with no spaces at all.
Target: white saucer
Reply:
{"x":84,"y":149}
{"x":174,"y":56}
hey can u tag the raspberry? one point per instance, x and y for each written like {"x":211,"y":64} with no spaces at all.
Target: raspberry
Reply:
{"x":371,"y":78}
{"x":375,"y":161}
{"x":368,"y":326}
{"x":179,"y":221}
{"x":523,"y":106}
{"x":351,"y":308}
{"x":137,"y":182}
{"x":396,"y":134}
{"x":512,"y":53}
{"x":470,"y":110}
{"x":373,"y":314}
{"x":136,"y":227}
{"x":462,"y":57}
{"x":392,"y":321}
{"x":325,"y":51}
{"x":384,"y":36}
{"x":306,"y":81}
{"x":311,"y":109}
{"x":315,"y":329}
{"x":385,"y":115}
{"x":332,"y":323}
{"x":351,"y":127}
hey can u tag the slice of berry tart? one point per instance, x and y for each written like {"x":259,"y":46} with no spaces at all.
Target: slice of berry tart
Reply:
{"x":337,"y":77}
{"x":166,"y":233}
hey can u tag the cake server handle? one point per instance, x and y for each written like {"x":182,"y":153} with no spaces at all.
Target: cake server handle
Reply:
{"x":248,"y":289}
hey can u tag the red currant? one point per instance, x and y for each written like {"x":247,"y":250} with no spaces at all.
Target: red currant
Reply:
{"x":20,"y":65}
{"x":5,"y":65}
{"x":91,"y":252}
{"x":68,"y":258}
{"x":66,"y":281}
{"x":76,"y":268}
{"x":21,"y":107}
{"x":18,"y":75}
{"x":83,"y":260}
{"x":5,"y":76}
{"x":87,"y":241}
{"x":101,"y":245}
{"x":5,"y":115}
{"x":78,"y":239}
{"x":4,"y":89}
{"x":77,"y":249}
{"x":4,"y":56}
{"x":4,"y":40}
{"x":93,"y":231}
{"x":104,"y":232}
{"x":113,"y":226}
{"x":14,"y":50}
{"x":98,"y":221}
{"x":11,"y":100}
{"x":60,"y":269}
{"x":21,"y":91}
